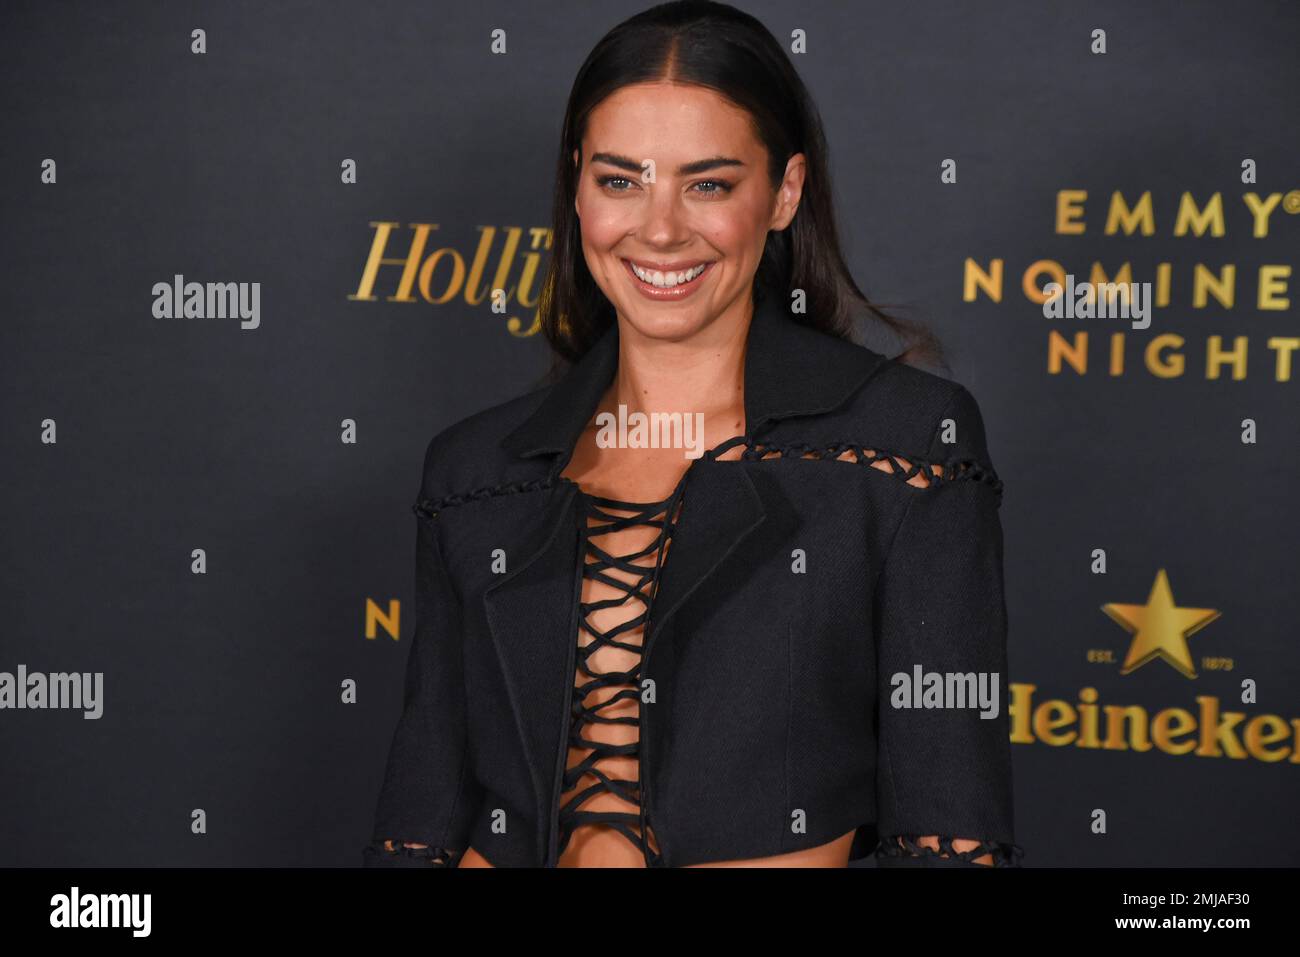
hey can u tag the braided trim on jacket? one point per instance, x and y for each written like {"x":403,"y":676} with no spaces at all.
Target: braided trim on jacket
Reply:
{"x":429,"y":507}
{"x":1004,"y":854}
{"x":397,"y":854}
{"x":953,"y":470}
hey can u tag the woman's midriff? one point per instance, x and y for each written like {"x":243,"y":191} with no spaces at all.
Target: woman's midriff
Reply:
{"x":606,"y":849}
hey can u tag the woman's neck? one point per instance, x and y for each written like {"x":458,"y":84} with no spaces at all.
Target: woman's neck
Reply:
{"x":703,"y":373}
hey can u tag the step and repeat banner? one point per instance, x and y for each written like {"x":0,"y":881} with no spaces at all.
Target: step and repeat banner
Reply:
{"x":248,"y":255}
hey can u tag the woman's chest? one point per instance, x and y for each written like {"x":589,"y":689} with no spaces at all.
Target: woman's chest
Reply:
{"x":757,"y":568}
{"x":747,"y":625}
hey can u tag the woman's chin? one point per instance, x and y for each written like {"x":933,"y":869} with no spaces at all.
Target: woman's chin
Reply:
{"x":657,"y":323}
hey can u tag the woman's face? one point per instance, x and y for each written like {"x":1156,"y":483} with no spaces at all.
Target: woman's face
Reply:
{"x":672,"y":179}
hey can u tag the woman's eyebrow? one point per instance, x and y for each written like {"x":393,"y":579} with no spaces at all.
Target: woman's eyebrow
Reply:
{"x":687,"y":169}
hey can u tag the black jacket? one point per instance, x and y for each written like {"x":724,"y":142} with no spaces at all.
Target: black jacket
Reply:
{"x":773,"y":728}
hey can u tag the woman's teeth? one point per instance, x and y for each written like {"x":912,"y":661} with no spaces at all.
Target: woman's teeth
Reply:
{"x":667,"y":279}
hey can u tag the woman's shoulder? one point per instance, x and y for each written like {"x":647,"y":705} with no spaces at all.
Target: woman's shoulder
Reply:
{"x":468,"y":453}
{"x":932,"y":416}
{"x":895,"y":408}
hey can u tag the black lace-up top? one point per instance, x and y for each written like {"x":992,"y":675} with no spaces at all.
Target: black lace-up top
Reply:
{"x":623,"y":547}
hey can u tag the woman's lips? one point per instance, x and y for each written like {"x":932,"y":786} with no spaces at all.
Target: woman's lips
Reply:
{"x":651,"y":291}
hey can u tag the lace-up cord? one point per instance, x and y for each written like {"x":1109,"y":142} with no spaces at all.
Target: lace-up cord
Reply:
{"x":599,"y":519}
{"x":902,"y":467}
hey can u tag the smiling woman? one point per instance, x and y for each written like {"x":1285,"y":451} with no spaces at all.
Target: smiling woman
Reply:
{"x":686,"y":660}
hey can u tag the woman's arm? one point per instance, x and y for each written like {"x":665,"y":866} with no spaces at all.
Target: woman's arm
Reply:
{"x":944,"y":791}
{"x":430,"y":794}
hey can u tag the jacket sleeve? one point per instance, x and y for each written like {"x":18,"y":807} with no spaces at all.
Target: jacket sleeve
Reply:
{"x":429,"y":794}
{"x":945,"y":771}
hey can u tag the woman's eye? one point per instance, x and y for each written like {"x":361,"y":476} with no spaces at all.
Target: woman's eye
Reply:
{"x":607,"y":180}
{"x":720,"y":187}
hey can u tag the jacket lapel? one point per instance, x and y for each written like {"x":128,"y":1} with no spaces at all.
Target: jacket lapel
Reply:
{"x":720,"y":508}
{"x":530,"y":613}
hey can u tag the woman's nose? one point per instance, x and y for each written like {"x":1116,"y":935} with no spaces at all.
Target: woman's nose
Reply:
{"x":665,"y":220}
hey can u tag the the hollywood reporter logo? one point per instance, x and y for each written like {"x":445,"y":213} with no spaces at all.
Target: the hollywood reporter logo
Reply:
{"x":652,"y":430}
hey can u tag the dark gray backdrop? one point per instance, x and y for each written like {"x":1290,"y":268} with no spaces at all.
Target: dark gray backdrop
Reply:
{"x":223,"y":690}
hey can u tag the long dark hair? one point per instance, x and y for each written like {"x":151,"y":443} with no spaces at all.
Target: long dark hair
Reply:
{"x":713,"y":45}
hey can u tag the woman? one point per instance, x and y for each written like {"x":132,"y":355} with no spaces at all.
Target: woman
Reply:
{"x":577,"y":697}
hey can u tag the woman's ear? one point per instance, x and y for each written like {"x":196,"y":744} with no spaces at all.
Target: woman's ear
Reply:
{"x":789,"y":192}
